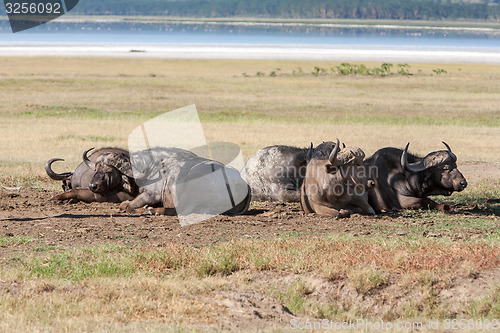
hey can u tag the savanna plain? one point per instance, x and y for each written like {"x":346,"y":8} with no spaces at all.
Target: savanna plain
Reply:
{"x":90,"y":268}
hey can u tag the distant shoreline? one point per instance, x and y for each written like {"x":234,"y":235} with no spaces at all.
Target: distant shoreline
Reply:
{"x":250,"y":52}
{"x":470,"y":26}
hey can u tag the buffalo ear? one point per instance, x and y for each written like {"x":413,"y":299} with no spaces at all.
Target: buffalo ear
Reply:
{"x":126,"y":184}
{"x":330,"y":168}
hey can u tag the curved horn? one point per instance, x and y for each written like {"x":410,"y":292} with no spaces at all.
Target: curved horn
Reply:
{"x":333,"y":155}
{"x":447,"y":147}
{"x":90,"y":164}
{"x":310,"y":152}
{"x":343,"y":145}
{"x":413,"y":167}
{"x":52,"y":174}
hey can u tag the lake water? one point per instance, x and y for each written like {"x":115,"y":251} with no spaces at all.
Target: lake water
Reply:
{"x":255,"y":41}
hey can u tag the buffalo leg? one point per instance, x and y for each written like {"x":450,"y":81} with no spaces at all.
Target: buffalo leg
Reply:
{"x":361,"y":206}
{"x":288,"y":195}
{"x":137,"y":206}
{"x":75,"y":195}
{"x":161,"y":211}
{"x":426,"y":203}
{"x":327,"y":211}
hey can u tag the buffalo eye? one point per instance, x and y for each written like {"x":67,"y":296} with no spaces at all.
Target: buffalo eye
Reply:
{"x":446,"y":167}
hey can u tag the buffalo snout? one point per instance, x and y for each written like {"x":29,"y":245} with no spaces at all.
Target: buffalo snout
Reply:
{"x":461,"y":185}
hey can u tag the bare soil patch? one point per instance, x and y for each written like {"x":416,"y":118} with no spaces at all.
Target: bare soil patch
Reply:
{"x":27,"y":213}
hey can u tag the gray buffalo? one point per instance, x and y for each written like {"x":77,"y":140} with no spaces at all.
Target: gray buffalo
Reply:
{"x":337,"y":185}
{"x":104,"y":176}
{"x":175,"y":181}
{"x":276,"y":172}
{"x":405,"y":181}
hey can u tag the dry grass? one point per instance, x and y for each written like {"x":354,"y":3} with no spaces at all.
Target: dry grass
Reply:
{"x":111,"y":287}
{"x":60,"y":107}
{"x":107,"y":304}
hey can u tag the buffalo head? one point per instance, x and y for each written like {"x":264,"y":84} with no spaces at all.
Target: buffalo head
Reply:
{"x":112,"y":171}
{"x":349,"y":161}
{"x":338,"y":185}
{"x":442,"y":176}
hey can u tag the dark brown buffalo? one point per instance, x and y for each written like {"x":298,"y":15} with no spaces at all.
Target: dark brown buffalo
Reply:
{"x":104,"y":176}
{"x":337,"y":185}
{"x":276,"y":173}
{"x":405,"y":181}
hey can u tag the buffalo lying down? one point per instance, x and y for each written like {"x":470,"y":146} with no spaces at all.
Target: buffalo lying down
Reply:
{"x":405,"y":181}
{"x":337,"y":185}
{"x":182,"y":183}
{"x":104,"y":176}
{"x":276,"y":172}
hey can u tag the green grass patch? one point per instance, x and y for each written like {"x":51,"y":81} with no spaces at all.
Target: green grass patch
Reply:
{"x":10,"y":240}
{"x":43,"y":111}
{"x":295,"y":296}
{"x":107,"y":261}
{"x":313,"y":114}
{"x":431,"y":224}
{"x":26,"y":180}
{"x":92,"y":138}
{"x":233,"y":115}
{"x":347,"y":69}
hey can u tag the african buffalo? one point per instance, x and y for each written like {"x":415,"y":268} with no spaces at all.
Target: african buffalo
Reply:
{"x":180,"y":182}
{"x":405,"y":181}
{"x":337,"y":185}
{"x":276,"y":172}
{"x":104,"y":176}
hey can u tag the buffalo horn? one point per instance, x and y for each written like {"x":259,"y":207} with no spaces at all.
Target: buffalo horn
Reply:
{"x":413,"y":167}
{"x":310,"y":152}
{"x":447,"y":147}
{"x":333,"y":155}
{"x":52,"y":174}
{"x":90,"y":164}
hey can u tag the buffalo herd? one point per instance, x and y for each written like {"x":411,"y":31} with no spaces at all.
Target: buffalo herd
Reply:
{"x":329,"y":179}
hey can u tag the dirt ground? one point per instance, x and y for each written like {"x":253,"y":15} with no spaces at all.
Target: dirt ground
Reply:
{"x":28,"y":213}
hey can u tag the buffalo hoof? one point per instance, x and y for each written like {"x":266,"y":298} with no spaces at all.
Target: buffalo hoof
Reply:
{"x":124,"y":206}
{"x":343,"y":213}
{"x":60,"y":198}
